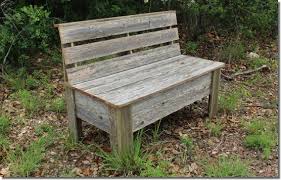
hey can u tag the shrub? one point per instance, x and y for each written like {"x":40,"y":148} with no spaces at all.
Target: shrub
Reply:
{"x":25,"y":31}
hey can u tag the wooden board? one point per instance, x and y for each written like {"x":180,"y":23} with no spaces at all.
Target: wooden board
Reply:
{"x":131,"y":85}
{"x":107,"y":67}
{"x":92,"y":111}
{"x":162,"y":104}
{"x":91,"y":29}
{"x":103,"y":48}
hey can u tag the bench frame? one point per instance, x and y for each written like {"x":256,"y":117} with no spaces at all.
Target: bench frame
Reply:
{"x":121,"y":126}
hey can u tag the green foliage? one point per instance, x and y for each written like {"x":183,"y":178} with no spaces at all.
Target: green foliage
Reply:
{"x":258,"y":62}
{"x":4,"y":124}
{"x":215,"y":128}
{"x":233,"y":52}
{"x":4,"y":144}
{"x":30,"y":102}
{"x":261,"y":135}
{"x":187,"y":142}
{"x":43,"y":128}
{"x":155,"y":132}
{"x":57,"y":105}
{"x":25,"y":31}
{"x":191,"y":47}
{"x":24,"y":162}
{"x":227,"y":167}
{"x":134,"y":161}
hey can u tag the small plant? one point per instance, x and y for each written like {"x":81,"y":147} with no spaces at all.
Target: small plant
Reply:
{"x":4,"y":125}
{"x":188,"y":146}
{"x":227,"y":167}
{"x":229,"y":102}
{"x":24,"y":162}
{"x":261,"y":135}
{"x":155,"y":132}
{"x":4,"y":143}
{"x":215,"y":128}
{"x":191,"y":47}
{"x":57,"y":105}
{"x":31,"y":82}
{"x":233,"y":52}
{"x":43,"y":128}
{"x":30,"y":102}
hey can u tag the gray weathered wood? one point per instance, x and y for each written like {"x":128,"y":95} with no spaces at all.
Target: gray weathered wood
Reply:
{"x":121,"y":136}
{"x":213,"y":98}
{"x":111,"y":66}
{"x":159,"y":105}
{"x":103,"y":48}
{"x":131,"y":85}
{"x":75,"y":124}
{"x":92,"y":111}
{"x":85,"y":30}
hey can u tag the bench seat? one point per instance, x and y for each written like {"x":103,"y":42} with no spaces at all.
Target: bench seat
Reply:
{"x":128,"y":86}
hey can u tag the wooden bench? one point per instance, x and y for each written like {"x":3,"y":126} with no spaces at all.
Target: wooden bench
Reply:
{"x":124,"y":73}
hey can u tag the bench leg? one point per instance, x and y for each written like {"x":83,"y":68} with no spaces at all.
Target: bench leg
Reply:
{"x":213,"y":97}
{"x":75,"y":124}
{"x":121,"y":135}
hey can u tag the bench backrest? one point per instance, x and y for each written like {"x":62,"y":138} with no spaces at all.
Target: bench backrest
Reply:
{"x":122,"y":43}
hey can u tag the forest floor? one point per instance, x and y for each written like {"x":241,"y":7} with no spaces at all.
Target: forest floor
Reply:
{"x":240,"y":141}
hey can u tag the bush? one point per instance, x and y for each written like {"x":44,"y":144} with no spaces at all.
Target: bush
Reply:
{"x":25,"y":31}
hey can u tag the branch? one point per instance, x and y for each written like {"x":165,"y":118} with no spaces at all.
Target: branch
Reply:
{"x":244,"y":72}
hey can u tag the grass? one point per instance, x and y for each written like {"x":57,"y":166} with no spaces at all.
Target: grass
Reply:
{"x":23,"y":162}
{"x":215,"y":128}
{"x":188,"y":147}
{"x":43,"y":128}
{"x":30,"y":102}
{"x":261,"y":135}
{"x":4,"y":124}
{"x":57,"y":105}
{"x":232,"y":100}
{"x":134,"y":162}
{"x":233,"y":52}
{"x":227,"y":167}
{"x":155,"y":132}
{"x":258,"y":62}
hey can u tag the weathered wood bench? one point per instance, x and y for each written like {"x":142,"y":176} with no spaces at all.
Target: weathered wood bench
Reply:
{"x":142,"y":77}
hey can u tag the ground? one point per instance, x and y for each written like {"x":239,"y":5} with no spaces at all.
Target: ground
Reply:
{"x":240,"y":141}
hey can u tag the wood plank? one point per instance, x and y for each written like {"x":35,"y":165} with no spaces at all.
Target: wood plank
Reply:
{"x":121,"y":135}
{"x":75,"y":124}
{"x":92,"y":111}
{"x":162,"y":104}
{"x":98,"y":49}
{"x":125,"y":87}
{"x":107,"y":67}
{"x":85,"y":30}
{"x":213,"y":98}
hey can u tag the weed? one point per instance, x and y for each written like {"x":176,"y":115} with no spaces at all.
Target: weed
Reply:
{"x":31,"y":82}
{"x":191,"y":47}
{"x":215,"y":128}
{"x":16,"y":80}
{"x":155,"y":132}
{"x":234,"y":51}
{"x":4,"y":143}
{"x":188,"y":146}
{"x":24,"y":162}
{"x":31,"y":103}
{"x":227,"y":167}
{"x":57,"y":105}
{"x":151,"y":171}
{"x":4,"y":125}
{"x":261,"y":135}
{"x":43,"y":128}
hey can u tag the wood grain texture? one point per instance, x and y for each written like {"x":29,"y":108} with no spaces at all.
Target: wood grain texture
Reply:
{"x":162,"y":104}
{"x":103,"y":48}
{"x":131,"y":85}
{"x":92,"y":111}
{"x":213,"y":98}
{"x":92,"y":29}
{"x":75,"y":124}
{"x":107,"y":67}
{"x":121,"y":135}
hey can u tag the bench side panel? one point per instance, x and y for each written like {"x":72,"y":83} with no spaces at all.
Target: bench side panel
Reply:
{"x":93,"y":111}
{"x":159,"y":105}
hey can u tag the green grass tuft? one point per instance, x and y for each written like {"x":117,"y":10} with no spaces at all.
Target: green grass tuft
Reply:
{"x":4,"y":125}
{"x":227,"y":167}
{"x":233,"y":52}
{"x":57,"y":105}
{"x":31,"y":103}
{"x":215,"y":128}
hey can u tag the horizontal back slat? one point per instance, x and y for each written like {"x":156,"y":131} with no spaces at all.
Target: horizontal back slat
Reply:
{"x":107,"y":67}
{"x":103,"y":48}
{"x":91,"y":29}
